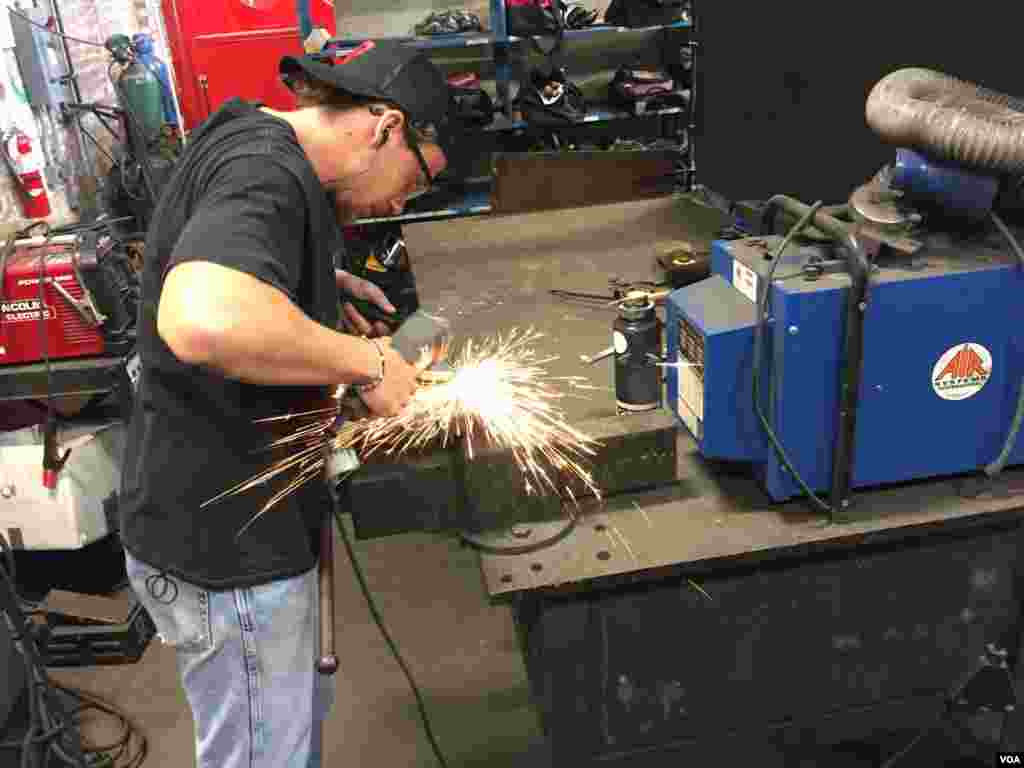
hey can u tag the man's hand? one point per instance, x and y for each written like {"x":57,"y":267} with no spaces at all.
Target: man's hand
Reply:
{"x":367,"y":291}
{"x":399,"y":385}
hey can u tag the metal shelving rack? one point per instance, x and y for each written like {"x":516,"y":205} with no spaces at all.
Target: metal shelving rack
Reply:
{"x":472,"y":197}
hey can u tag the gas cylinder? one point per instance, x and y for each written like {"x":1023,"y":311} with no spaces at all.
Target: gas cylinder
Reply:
{"x":140,"y":91}
{"x":142,"y":45}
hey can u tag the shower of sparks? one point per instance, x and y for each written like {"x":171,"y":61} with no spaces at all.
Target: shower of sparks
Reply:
{"x":499,"y":397}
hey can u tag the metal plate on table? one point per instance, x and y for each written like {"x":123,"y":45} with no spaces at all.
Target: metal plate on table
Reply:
{"x":717,"y":516}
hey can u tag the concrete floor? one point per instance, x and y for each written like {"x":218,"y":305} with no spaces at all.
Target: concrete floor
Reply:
{"x":485,"y":275}
{"x":460,"y":649}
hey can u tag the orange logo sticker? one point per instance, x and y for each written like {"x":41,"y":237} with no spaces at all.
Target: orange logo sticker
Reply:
{"x":962,"y":371}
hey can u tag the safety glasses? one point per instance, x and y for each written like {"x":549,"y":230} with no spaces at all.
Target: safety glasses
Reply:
{"x":427,"y":180}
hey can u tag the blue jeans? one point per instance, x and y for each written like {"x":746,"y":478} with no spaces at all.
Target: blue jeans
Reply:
{"x":246,"y":661}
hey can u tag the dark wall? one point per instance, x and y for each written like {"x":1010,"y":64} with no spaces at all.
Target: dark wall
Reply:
{"x":785,"y":83}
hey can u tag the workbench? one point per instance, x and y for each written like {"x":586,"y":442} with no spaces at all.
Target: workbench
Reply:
{"x":64,"y":378}
{"x":699,"y":623}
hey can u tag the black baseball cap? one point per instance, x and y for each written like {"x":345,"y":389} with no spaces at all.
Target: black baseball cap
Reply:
{"x":389,"y":71}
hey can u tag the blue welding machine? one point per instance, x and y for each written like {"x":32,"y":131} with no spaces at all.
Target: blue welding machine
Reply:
{"x":940,"y":370}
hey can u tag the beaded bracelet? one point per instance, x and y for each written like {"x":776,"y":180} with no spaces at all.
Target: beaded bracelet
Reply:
{"x":371,"y":385}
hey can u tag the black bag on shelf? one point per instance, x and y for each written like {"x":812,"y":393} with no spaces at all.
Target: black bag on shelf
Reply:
{"x":473,"y":105}
{"x":548,"y":99}
{"x":449,"y":23}
{"x":644,"y":13}
{"x":537,"y":19}
{"x":631,"y":85}
{"x":534,"y":17}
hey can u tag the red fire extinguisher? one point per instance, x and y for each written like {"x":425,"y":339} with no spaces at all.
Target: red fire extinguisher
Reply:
{"x":30,"y":175}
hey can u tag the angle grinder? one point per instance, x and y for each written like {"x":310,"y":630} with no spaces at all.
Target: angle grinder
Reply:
{"x":422,"y":340}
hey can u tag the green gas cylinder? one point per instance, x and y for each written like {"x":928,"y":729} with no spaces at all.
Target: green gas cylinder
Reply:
{"x":140,"y":94}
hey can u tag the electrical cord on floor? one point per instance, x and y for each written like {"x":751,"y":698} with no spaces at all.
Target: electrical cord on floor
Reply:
{"x":129,"y":750}
{"x":945,"y":716}
{"x":392,"y":646}
{"x":756,"y":367}
{"x":48,"y":726}
{"x":895,"y":758}
{"x":50,"y":723}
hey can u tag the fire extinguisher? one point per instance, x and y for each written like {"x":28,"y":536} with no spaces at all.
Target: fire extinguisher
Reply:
{"x":25,"y":163}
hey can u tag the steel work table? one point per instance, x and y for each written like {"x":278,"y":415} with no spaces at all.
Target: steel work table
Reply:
{"x":700,"y":624}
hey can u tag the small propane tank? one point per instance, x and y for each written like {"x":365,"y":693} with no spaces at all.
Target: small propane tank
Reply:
{"x":636,"y":337}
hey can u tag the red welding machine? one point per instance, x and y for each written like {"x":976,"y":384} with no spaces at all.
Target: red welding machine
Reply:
{"x":62,"y":321}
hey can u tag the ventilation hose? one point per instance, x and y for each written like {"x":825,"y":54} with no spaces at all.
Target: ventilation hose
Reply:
{"x":976,"y":127}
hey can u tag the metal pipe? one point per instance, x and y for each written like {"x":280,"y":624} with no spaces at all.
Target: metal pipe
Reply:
{"x":76,"y":92}
{"x":856,"y":304}
{"x":952,"y":119}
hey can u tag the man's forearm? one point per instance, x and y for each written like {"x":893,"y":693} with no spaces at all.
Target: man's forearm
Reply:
{"x":291,"y":350}
{"x":247,"y":330}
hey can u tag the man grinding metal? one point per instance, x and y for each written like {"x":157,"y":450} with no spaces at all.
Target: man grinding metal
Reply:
{"x":240,"y":301}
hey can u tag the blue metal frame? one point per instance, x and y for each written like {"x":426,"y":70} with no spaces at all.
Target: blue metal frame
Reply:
{"x":597,"y":116}
{"x":476,"y":202}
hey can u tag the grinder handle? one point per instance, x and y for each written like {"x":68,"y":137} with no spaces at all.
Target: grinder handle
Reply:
{"x":373,"y":313}
{"x":327,"y":664}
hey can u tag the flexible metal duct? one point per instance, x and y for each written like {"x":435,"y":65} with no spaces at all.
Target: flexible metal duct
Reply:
{"x":950,"y":119}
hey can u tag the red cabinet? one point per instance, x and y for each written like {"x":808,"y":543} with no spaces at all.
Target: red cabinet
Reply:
{"x":232,"y":47}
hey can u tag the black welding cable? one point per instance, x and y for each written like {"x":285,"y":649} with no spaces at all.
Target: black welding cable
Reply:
{"x":762,"y":317}
{"x":995,"y":467}
{"x":379,"y":621}
{"x":97,"y":144}
{"x":895,"y":758}
{"x":129,"y":729}
{"x":47,"y":720}
{"x":44,"y":341}
{"x":947,"y":718}
{"x":44,"y":729}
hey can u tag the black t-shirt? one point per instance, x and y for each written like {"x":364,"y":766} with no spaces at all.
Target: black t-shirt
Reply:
{"x":244,"y":196}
